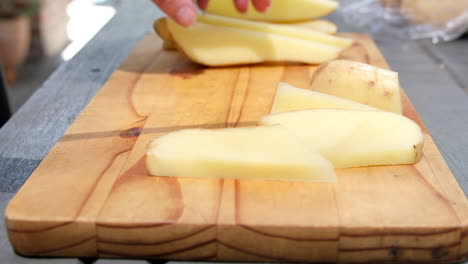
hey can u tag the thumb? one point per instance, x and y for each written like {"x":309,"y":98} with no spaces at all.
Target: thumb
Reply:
{"x":183,"y":12}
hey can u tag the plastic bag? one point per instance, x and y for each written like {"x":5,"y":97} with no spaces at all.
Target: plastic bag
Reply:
{"x":438,"y":20}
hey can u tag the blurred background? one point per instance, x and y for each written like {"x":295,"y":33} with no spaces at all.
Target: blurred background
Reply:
{"x":36,"y":36}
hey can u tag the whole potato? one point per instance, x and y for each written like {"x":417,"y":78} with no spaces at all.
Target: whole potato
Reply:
{"x":433,"y":12}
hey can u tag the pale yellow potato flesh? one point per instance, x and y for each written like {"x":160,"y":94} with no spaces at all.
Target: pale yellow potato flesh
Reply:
{"x":355,"y":138}
{"x":359,"y":82}
{"x":289,"y":98}
{"x":253,"y":153}
{"x":279,"y":10}
{"x":280,"y":29}
{"x":319,"y":25}
{"x":324,"y":26}
{"x":215,"y":45}
{"x":160,"y":28}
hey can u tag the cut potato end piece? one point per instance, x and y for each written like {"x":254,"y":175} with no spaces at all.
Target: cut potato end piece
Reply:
{"x":215,"y":45}
{"x":290,"y":98}
{"x":279,"y":10}
{"x":359,"y":82}
{"x":355,"y":138}
{"x":285,"y":30}
{"x":160,"y":27}
{"x":255,"y":153}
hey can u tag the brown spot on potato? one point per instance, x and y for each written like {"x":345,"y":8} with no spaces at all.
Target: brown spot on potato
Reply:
{"x":371,"y":83}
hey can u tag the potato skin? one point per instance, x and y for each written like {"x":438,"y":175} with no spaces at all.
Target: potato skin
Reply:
{"x":433,"y":12}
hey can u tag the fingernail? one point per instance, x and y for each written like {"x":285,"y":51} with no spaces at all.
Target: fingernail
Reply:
{"x":186,"y":16}
{"x":242,"y":5}
{"x":203,"y":4}
{"x":264,"y":8}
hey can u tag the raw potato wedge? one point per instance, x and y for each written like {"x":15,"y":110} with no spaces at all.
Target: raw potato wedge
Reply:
{"x":280,"y":29}
{"x":280,"y":10}
{"x":359,"y":82}
{"x":319,"y":25}
{"x":290,"y":98}
{"x":355,"y":138}
{"x":215,"y":45}
{"x":255,"y":153}
{"x":160,"y":27}
{"x":322,"y":26}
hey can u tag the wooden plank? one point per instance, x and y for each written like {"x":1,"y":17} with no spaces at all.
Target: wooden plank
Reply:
{"x":382,"y":212}
{"x":110,"y":135}
{"x":37,"y":126}
{"x":433,"y":170}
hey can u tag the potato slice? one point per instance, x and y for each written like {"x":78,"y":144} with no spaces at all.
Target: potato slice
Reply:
{"x":215,"y":45}
{"x":255,"y":153}
{"x":324,"y":26}
{"x":290,"y":98}
{"x":280,"y":10}
{"x":359,"y":82}
{"x":280,"y":29}
{"x":355,"y":138}
{"x":160,"y":27}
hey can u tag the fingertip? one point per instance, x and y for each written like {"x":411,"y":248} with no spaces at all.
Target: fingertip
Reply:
{"x":261,"y":5}
{"x":185,"y":16}
{"x":241,"y":5}
{"x":183,"y":12}
{"x":203,"y":4}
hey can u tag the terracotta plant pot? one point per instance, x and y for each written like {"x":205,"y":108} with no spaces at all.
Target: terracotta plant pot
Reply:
{"x":14,"y":44}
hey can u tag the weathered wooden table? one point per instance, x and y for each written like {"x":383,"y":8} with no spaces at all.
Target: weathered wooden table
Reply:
{"x":434,"y":76}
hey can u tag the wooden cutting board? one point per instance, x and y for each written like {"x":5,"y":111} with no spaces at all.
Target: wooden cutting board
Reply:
{"x":92,"y":196}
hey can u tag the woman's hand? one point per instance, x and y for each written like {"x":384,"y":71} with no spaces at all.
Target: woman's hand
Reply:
{"x":184,"y":12}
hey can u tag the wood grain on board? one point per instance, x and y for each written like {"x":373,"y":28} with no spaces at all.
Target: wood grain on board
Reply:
{"x":92,"y":196}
